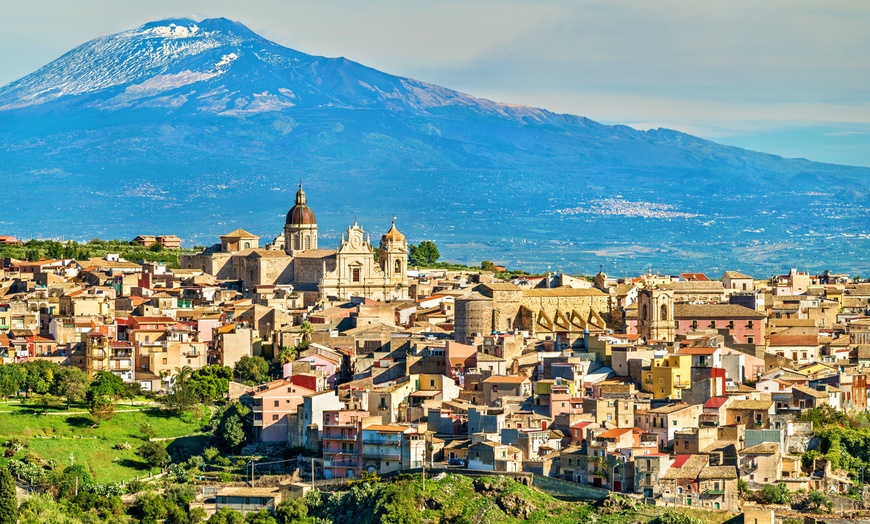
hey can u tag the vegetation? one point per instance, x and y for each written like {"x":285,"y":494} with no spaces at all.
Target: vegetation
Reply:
{"x":252,"y":370}
{"x":33,"y":250}
{"x":8,"y":498}
{"x":423,"y":254}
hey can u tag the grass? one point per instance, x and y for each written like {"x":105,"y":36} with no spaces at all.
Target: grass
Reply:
{"x":62,"y":436}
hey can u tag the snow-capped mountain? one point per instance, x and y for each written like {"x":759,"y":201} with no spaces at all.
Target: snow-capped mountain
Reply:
{"x":197,"y":128}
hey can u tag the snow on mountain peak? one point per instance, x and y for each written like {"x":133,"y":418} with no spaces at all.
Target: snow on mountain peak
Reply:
{"x":172,"y":31}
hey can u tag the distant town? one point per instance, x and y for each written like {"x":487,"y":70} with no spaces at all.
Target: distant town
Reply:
{"x":259,"y":375}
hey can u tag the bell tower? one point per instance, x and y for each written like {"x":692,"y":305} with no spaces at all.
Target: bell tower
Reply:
{"x":300,"y":229}
{"x":393,"y":259}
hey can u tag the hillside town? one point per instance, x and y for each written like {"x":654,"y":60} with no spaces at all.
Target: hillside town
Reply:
{"x":687,"y":390}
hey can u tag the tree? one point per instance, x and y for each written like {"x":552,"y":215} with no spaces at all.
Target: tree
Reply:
{"x":307,"y":330}
{"x":291,"y":511}
{"x":147,"y":431}
{"x":101,"y":408}
{"x":8,"y":498}
{"x":227,"y":516}
{"x":252,"y":370}
{"x":486,"y":265}
{"x":154,"y":454}
{"x":230,"y":433}
{"x":11,"y":379}
{"x":260,"y":517}
{"x":816,"y":499}
{"x":423,"y":254}
{"x":776,"y":494}
{"x":105,"y":384}
{"x":70,"y":383}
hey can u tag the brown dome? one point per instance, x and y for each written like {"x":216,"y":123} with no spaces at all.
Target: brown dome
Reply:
{"x":393,"y":234}
{"x":300,"y":214}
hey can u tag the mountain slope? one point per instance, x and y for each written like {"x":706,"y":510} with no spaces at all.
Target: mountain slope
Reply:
{"x":199,"y":127}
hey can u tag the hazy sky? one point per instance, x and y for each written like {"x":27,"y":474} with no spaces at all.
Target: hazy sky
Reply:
{"x":790,"y":77}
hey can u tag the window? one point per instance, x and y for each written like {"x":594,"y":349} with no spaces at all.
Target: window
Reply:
{"x":432,"y":383}
{"x":730,"y":324}
{"x":675,"y":423}
{"x":712,"y":324}
{"x":739,"y":419}
{"x":277,"y":403}
{"x":694,"y":324}
{"x":354,"y":274}
{"x":750,"y":340}
{"x":663,"y":313}
{"x":307,"y":242}
{"x":275,"y":417}
{"x":643,"y":313}
{"x":165,"y":361}
{"x":749,"y":324}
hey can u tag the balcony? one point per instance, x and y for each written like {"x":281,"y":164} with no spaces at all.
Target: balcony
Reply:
{"x":376,"y":441}
{"x":714,"y":492}
{"x":386,"y":455}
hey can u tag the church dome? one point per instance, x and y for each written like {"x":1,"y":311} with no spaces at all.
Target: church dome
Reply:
{"x":393,"y":234}
{"x":300,"y":214}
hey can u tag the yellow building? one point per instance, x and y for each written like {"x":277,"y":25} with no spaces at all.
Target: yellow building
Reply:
{"x":668,"y":376}
{"x":103,"y":354}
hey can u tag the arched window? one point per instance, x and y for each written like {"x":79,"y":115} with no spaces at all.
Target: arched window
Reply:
{"x":643,"y":313}
{"x":664,"y":312}
{"x":246,"y":245}
{"x":296,"y":242}
{"x":398,"y":269}
{"x":307,"y":242}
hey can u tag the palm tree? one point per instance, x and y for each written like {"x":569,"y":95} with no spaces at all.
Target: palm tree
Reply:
{"x":307,"y":330}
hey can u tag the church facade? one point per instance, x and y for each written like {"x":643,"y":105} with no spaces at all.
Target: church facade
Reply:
{"x":351,"y":271}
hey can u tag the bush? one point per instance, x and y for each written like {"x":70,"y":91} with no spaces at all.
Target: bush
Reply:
{"x":775,"y":494}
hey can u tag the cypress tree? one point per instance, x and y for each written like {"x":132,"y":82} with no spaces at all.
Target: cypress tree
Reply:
{"x":8,"y":498}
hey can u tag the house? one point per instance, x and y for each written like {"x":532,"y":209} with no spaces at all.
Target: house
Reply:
{"x":752,"y":413}
{"x":494,"y":456}
{"x":145,"y":240}
{"x":496,"y":387}
{"x":342,"y":443}
{"x":667,"y":420}
{"x":248,"y":500}
{"x":382,"y":447}
{"x":736,"y":281}
{"x":741,"y":325}
{"x":648,"y":471}
{"x":169,"y":241}
{"x":760,"y":464}
{"x":271,"y":404}
{"x":668,"y":376}
{"x":802,"y":349}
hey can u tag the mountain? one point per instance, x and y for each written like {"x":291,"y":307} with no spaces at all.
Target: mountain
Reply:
{"x":196,"y":128}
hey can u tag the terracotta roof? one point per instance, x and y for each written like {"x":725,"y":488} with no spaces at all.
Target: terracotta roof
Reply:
{"x":670,"y":408}
{"x":564,"y":292}
{"x":715,"y":402}
{"x":793,"y":340}
{"x":809,"y":391}
{"x":239,"y":233}
{"x":315,"y":253}
{"x":509,"y":379}
{"x":735,"y":274}
{"x":386,"y":428}
{"x":715,"y":311}
{"x":751,"y":404}
{"x":614,"y":433}
{"x":718,"y":472}
{"x":697,"y":351}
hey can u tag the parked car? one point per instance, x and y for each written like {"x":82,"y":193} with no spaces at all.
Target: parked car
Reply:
{"x":456,"y":461}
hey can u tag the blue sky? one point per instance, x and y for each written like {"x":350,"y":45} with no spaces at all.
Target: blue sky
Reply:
{"x":790,"y":77}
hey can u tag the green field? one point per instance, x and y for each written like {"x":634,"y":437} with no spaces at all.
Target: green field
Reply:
{"x":54,"y":434}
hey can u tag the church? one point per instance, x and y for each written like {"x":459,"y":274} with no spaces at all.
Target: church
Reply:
{"x":354,"y":270}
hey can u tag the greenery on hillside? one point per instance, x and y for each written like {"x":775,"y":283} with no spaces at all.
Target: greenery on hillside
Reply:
{"x":844,"y":440}
{"x":33,"y":250}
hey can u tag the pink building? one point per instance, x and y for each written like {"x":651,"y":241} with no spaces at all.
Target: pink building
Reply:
{"x":342,"y":443}
{"x":745,"y":325}
{"x":271,"y":404}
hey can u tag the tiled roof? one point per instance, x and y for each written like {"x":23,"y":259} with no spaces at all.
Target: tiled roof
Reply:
{"x":751,"y":404}
{"x":510,"y":379}
{"x":715,"y":311}
{"x":793,"y":340}
{"x":718,"y":472}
